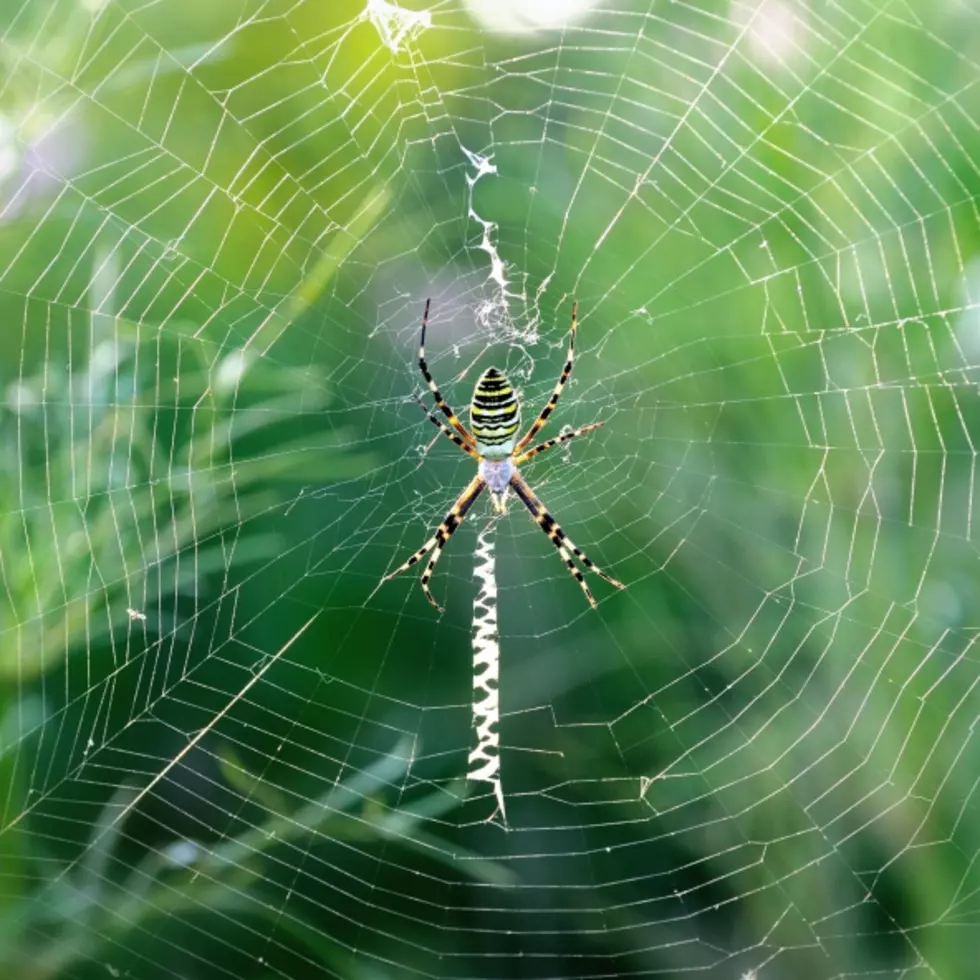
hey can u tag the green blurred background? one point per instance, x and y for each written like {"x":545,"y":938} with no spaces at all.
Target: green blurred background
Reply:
{"x":224,"y":752}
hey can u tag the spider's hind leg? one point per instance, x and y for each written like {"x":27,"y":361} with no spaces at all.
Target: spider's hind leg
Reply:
{"x":556,"y":394}
{"x":441,"y":403}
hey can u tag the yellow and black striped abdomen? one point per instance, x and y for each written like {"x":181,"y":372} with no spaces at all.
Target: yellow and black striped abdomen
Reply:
{"x":495,"y":415}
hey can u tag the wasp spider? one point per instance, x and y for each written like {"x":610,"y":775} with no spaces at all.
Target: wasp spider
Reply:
{"x":495,"y":417}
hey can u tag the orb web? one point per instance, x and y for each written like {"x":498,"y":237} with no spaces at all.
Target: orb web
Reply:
{"x":225,"y":749}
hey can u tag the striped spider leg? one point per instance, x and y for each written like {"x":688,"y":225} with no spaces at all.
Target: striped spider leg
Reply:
{"x":556,"y":394}
{"x":566,"y":548}
{"x":433,"y":387}
{"x":444,"y":532}
{"x":558,"y":440}
{"x":462,"y":438}
{"x":495,"y":417}
{"x":449,"y":432}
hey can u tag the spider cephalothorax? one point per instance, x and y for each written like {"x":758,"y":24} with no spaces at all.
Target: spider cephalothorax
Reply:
{"x":495,"y":417}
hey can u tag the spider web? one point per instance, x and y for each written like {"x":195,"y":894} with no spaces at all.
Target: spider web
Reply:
{"x":226,"y":751}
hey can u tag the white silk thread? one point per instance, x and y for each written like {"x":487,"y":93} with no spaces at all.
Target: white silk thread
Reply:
{"x":484,"y":760}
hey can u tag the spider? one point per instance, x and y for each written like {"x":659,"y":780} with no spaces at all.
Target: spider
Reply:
{"x":495,"y":417}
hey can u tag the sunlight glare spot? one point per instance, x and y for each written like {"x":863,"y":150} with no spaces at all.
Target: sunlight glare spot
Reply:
{"x":774,"y":34}
{"x":525,"y":16}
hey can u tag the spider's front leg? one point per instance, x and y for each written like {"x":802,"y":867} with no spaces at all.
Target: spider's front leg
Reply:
{"x":437,"y":542}
{"x":557,"y":536}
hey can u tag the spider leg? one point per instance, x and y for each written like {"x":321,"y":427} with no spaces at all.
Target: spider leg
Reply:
{"x":559,"y":538}
{"x":449,"y":432}
{"x":444,"y":532}
{"x":553,"y":401}
{"x":524,"y":457}
{"x":440,"y":401}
